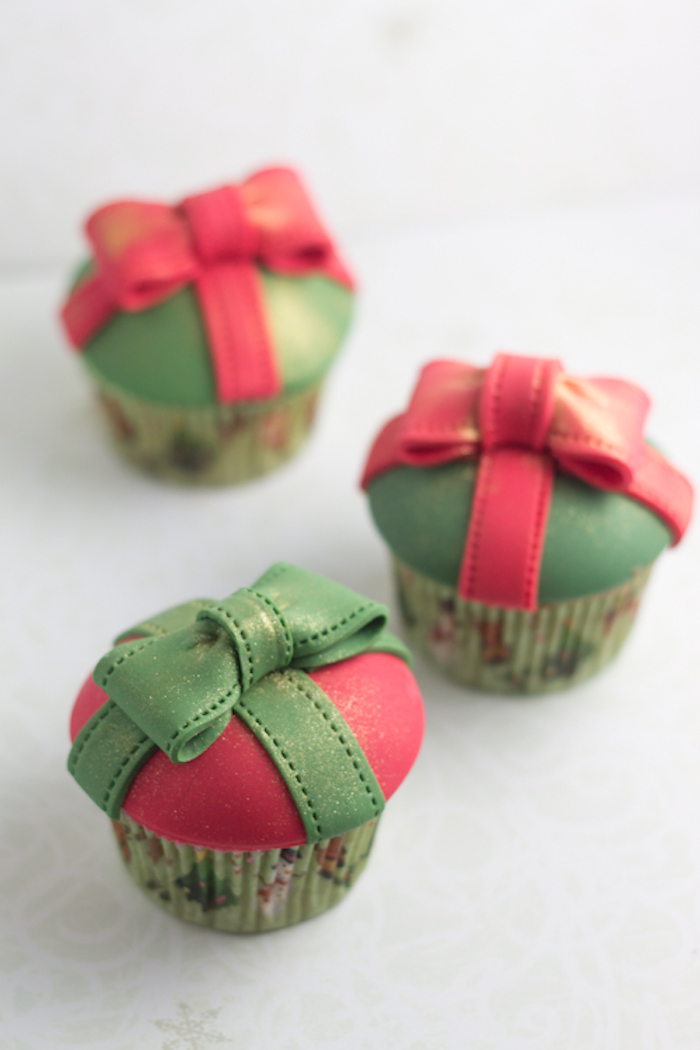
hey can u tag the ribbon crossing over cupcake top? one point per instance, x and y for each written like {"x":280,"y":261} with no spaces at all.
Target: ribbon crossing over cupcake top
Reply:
{"x":175,"y":682}
{"x":524,"y":417}
{"x":146,"y":252}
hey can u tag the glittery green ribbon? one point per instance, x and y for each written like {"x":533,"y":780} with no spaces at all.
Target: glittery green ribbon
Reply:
{"x":175,"y":681}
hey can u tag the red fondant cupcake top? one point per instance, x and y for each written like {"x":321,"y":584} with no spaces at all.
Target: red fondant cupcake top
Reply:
{"x":232,"y":797}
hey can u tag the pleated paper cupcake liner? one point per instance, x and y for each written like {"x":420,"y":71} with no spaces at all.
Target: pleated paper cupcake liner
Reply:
{"x":213,"y":445}
{"x":244,"y":892}
{"x":510,"y":650}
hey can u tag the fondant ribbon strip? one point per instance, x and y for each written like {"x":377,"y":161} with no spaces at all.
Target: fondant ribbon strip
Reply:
{"x":524,"y":417}
{"x":175,"y":684}
{"x":145,"y":253}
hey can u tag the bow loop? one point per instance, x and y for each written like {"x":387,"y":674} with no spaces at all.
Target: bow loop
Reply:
{"x":328,"y":623}
{"x":291,"y":237}
{"x":178,"y":689}
{"x":442,"y":414}
{"x":143,"y":252}
{"x":597,"y":430}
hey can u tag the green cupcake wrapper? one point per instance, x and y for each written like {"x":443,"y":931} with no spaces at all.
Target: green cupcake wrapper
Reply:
{"x":244,"y":892}
{"x":214,"y":445}
{"x":512,"y":651}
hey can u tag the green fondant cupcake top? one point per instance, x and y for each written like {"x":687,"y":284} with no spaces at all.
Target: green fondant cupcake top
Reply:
{"x":595,"y":540}
{"x":162,"y":355}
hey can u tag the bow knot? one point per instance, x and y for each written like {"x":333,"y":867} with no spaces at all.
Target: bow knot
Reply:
{"x":257,"y":630}
{"x":146,"y":252}
{"x":517,"y":402}
{"x":522,"y":416}
{"x":221,"y":228}
{"x":181,"y":687}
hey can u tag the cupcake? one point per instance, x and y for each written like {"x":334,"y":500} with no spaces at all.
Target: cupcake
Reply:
{"x":524,"y":510}
{"x":208,"y":326}
{"x":244,"y":749}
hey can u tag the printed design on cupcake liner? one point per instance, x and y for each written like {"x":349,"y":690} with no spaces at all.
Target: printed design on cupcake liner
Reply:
{"x":122,"y":835}
{"x":211,"y":445}
{"x":571,"y":653}
{"x":493,"y":648}
{"x":331,"y":858}
{"x":511,"y":650}
{"x":201,"y":884}
{"x":188,"y":454}
{"x":273,"y":895}
{"x":244,"y":892}
{"x":120,"y":424}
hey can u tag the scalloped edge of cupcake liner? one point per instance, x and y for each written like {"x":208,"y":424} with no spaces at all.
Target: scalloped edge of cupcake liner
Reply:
{"x":243,"y":892}
{"x":212,"y":445}
{"x":510,"y":650}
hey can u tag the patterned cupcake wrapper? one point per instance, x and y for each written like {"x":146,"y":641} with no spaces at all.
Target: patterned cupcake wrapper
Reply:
{"x":244,"y":892}
{"x":512,"y":651}
{"x":214,"y":445}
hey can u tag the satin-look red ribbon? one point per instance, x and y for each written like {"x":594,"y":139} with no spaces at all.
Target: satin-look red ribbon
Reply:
{"x":146,"y":252}
{"x":523,"y":417}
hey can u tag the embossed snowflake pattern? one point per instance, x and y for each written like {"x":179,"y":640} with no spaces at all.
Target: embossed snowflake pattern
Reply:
{"x":191,"y":1030}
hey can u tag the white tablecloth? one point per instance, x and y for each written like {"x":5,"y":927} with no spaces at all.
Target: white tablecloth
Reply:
{"x":536,"y":881}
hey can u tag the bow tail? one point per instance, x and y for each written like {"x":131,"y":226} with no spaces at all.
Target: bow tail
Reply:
{"x":88,"y":309}
{"x":243,"y":356}
{"x":316,"y":752}
{"x":501,"y":564}
{"x":664,"y":490}
{"x":107,"y":754}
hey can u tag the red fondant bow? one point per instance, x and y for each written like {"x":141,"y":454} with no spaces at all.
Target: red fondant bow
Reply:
{"x":524,"y":415}
{"x":144,"y":253}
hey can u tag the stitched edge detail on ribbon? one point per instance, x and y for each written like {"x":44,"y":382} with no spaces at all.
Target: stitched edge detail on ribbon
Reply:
{"x":332,"y":783}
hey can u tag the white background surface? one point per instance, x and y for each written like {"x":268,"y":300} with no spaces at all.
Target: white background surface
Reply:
{"x":523,"y":176}
{"x":398,"y":110}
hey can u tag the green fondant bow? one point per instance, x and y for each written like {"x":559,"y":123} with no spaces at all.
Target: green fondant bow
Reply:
{"x":176,"y":685}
